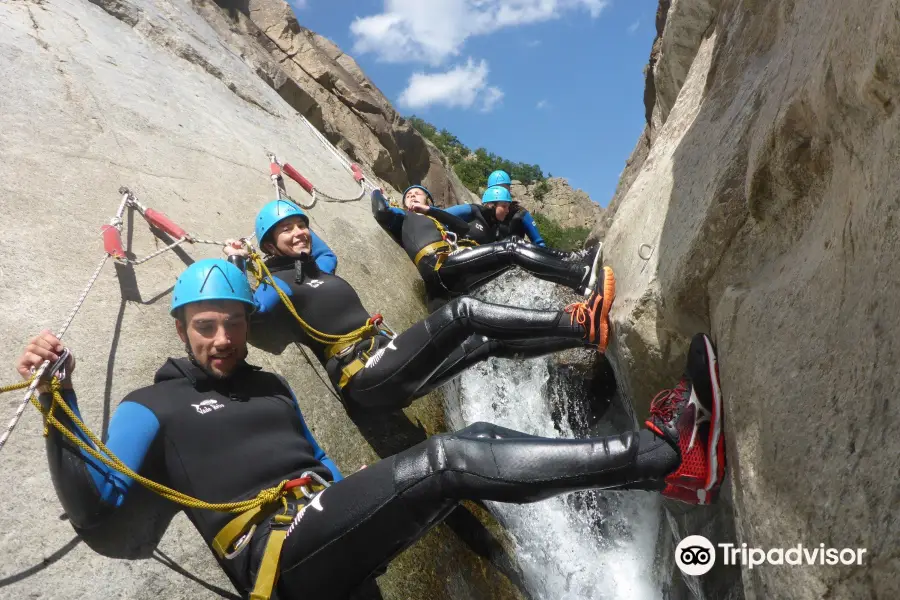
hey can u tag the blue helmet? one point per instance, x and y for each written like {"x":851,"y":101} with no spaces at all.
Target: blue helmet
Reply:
{"x":211,"y":279}
{"x":273,"y":213}
{"x":499,"y":178}
{"x":412,"y":187}
{"x":496,"y":194}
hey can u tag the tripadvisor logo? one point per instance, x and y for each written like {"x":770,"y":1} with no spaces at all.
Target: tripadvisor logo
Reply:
{"x":695,"y":555}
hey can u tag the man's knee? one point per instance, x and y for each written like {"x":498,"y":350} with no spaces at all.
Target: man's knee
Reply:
{"x":463,"y":306}
{"x":481,"y":429}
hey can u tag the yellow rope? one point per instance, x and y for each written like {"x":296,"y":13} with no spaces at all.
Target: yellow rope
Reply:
{"x":263,"y":274}
{"x":266,"y":496}
{"x":14,"y":387}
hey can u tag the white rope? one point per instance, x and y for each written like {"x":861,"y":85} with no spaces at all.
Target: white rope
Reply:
{"x":342,"y":158}
{"x":40,"y":372}
{"x":154,"y":254}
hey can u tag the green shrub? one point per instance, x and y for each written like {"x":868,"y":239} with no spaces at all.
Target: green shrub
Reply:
{"x":559,"y":237}
{"x":473,"y":168}
{"x":540,"y":190}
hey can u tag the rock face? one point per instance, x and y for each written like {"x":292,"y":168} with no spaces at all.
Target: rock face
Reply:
{"x":330,"y":89}
{"x":765,"y":210}
{"x":566,"y":206}
{"x":177,"y":103}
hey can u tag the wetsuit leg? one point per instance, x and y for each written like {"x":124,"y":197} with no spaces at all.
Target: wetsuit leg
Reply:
{"x":560,"y":254}
{"x":465,"y":270}
{"x":478,"y":348}
{"x":362,"y":522}
{"x":394,"y":374}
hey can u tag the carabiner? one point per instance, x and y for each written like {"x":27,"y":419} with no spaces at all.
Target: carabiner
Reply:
{"x":58,"y":368}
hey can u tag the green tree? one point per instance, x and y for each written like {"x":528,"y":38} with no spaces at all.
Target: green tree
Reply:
{"x":559,"y":237}
{"x":473,"y":168}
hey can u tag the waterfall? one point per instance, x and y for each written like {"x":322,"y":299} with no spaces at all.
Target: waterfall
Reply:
{"x":581,"y":546}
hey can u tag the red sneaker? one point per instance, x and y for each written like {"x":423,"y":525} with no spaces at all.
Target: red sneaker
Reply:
{"x":690,"y":418}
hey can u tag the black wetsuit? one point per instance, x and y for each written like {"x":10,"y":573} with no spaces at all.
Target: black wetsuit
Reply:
{"x":191,"y":425}
{"x":429,"y":353}
{"x":463,"y":271}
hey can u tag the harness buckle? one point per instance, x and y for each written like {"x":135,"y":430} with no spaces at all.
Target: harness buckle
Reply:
{"x":453,"y":242}
{"x":241,"y":544}
{"x":318,"y":478}
{"x":345,"y":351}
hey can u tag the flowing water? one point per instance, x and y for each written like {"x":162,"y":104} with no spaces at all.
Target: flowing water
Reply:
{"x":585,"y":545}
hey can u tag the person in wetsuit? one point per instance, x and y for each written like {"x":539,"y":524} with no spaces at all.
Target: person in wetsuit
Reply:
{"x":504,"y":218}
{"x":222,"y":430}
{"x":502,"y":215}
{"x":450,"y":272}
{"x":380,"y":372}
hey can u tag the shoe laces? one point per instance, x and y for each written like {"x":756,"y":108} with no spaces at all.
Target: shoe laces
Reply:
{"x":665,"y":403}
{"x":578,"y":313}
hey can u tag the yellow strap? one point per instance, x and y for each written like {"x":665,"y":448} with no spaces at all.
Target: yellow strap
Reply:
{"x":224,"y":541}
{"x":268,"y":566}
{"x":264,"y":275}
{"x":236,"y":528}
{"x":440,"y":246}
{"x":335,"y":349}
{"x":349,"y":371}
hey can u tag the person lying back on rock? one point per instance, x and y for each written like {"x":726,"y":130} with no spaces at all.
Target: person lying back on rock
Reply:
{"x":450,"y":272}
{"x":337,"y":532}
{"x":377,"y":371}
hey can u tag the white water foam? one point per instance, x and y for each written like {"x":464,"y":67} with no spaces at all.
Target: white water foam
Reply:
{"x":582,"y":546}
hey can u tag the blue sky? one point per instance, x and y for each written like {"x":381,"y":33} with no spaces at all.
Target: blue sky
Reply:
{"x":554,"y":82}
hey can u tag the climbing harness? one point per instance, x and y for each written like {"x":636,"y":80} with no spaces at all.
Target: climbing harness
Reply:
{"x":362,"y":357}
{"x":237,"y":534}
{"x":448,"y":245}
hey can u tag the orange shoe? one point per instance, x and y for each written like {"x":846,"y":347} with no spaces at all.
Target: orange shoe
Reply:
{"x":593,"y":314}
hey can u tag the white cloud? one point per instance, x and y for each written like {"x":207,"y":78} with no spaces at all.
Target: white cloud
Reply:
{"x":634,"y":26}
{"x":432,"y":31}
{"x":542,"y":104}
{"x":491,"y":97}
{"x":533,"y":43}
{"x":463,"y":86}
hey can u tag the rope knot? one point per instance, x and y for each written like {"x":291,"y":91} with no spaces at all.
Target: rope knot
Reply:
{"x":270,"y":495}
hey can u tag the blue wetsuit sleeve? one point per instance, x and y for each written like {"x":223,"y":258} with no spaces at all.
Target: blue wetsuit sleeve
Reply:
{"x":463,"y":211}
{"x":531,"y":230}
{"x":267,"y":298}
{"x":132,"y":429}
{"x":325,"y":258}
{"x":319,"y":454}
